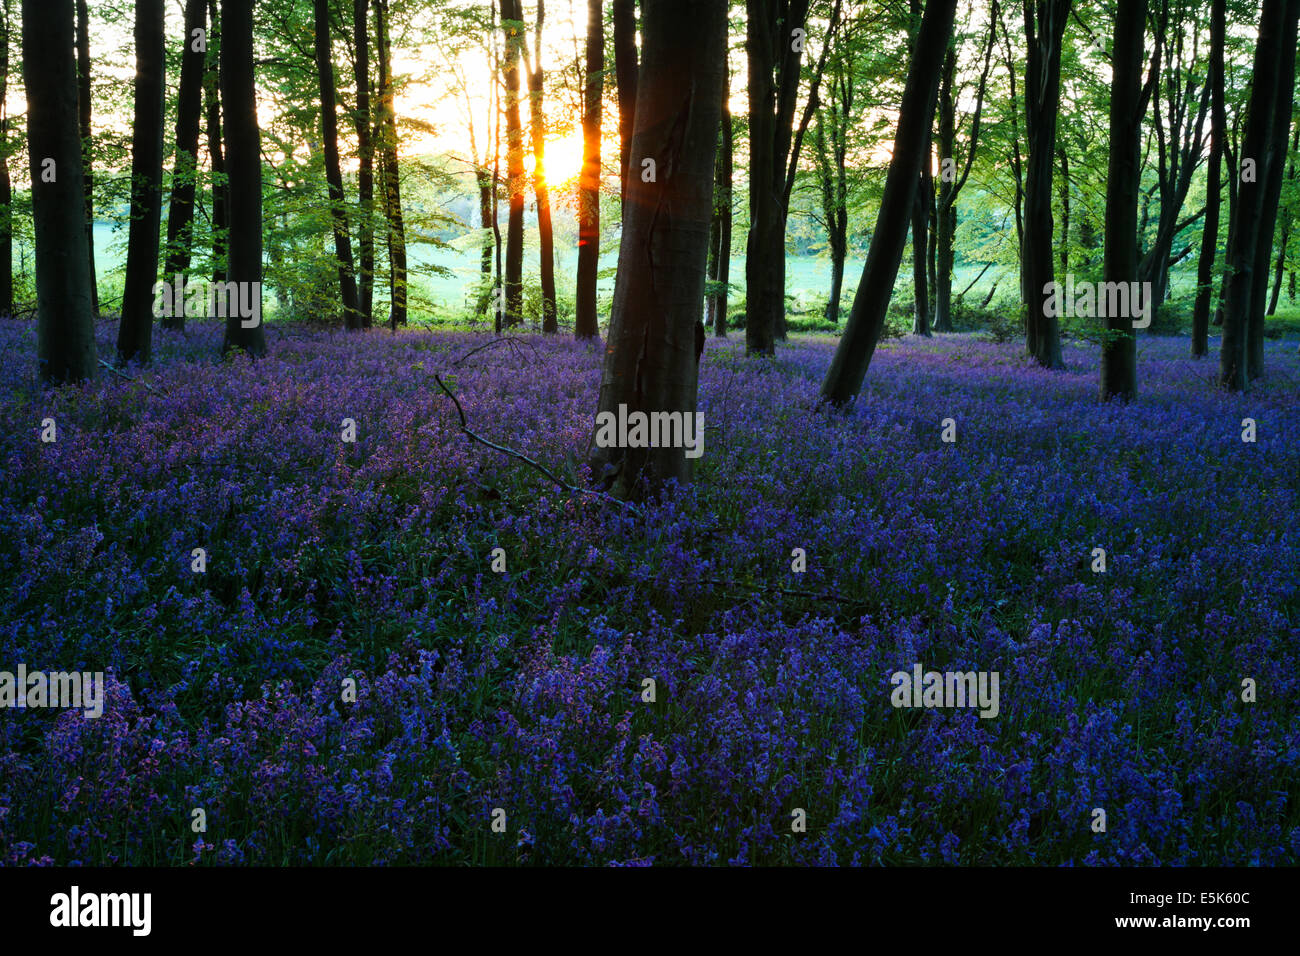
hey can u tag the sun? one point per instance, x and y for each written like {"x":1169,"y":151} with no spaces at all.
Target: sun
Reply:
{"x":563,"y":159}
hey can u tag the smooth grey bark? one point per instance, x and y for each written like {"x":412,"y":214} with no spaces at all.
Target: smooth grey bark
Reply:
{"x":333,"y":167}
{"x":135,"y":332}
{"x":720,"y":230}
{"x":84,"y":113}
{"x":586,"y":324}
{"x":867,"y":318}
{"x":65,"y":334}
{"x":189,"y":108}
{"x":1213,"y":187}
{"x":656,"y":331}
{"x":366,"y":164}
{"x":1123,"y":179}
{"x":244,"y":166}
{"x":1244,"y":235}
{"x":1044,"y":30}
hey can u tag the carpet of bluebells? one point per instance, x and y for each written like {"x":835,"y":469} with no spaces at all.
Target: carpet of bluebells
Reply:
{"x":523,"y":690}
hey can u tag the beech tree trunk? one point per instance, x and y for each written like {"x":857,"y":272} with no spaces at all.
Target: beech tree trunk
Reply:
{"x":244,"y":162}
{"x":625,"y":75}
{"x":773,"y":59}
{"x":867,"y":318}
{"x":1044,"y":29}
{"x":921,"y":248}
{"x":65,"y":333}
{"x":546,"y":241}
{"x":387,"y":137}
{"x":1272,"y":174}
{"x":1277,"y":19}
{"x":366,"y":164}
{"x":216,"y":152}
{"x":1213,"y":188}
{"x":135,"y":333}
{"x":587,"y":321}
{"x":84,"y":113}
{"x":333,"y":167}
{"x":512,"y":25}
{"x":180,"y":214}
{"x":656,"y":330}
{"x":720,"y":229}
{"x":6,"y":187}
{"x":1123,"y":179}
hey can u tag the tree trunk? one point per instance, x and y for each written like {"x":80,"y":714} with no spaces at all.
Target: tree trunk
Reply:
{"x":1272,"y":174}
{"x":6,"y":187}
{"x":216,"y":153}
{"x":512,"y":27}
{"x":333,"y":166}
{"x":1064,"y":186}
{"x":587,"y":321}
{"x":180,"y":214}
{"x":1044,"y":29}
{"x":366,"y":161}
{"x":135,"y":333}
{"x":65,"y":334}
{"x":921,"y":250}
{"x":1275,"y":18}
{"x":830,"y":151}
{"x":1210,"y":234}
{"x":387,"y":127}
{"x":84,"y":113}
{"x":546,"y":241}
{"x":656,"y":334}
{"x":774,"y":60}
{"x":867,"y":318}
{"x":244,"y":161}
{"x":720,"y":230}
{"x":1123,"y":179}
{"x":625,"y":75}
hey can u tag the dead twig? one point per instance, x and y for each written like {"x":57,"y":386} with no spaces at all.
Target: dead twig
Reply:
{"x":518,"y":456}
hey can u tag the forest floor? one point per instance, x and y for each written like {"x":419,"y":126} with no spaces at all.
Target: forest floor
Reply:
{"x":1162,"y":690}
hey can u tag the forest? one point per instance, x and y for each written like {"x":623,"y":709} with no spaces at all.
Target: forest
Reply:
{"x":686,"y":432}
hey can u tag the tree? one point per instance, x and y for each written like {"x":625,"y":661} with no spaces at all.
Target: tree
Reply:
{"x":587,"y":322}
{"x":656,"y":332}
{"x":953,"y":181}
{"x":719,"y":264}
{"x":366,"y":163}
{"x":244,"y":162}
{"x":387,"y":140}
{"x":6,"y":186}
{"x":625,"y":76}
{"x":1119,"y":350}
{"x":180,"y":214}
{"x":1271,"y":175}
{"x":1044,"y":31}
{"x":775,"y":31}
{"x":512,"y":25}
{"x":333,"y":167}
{"x":867,"y":317}
{"x":65,"y":334}
{"x":135,"y":333}
{"x":216,"y":152}
{"x":1277,"y":20}
{"x":84,"y":114}
{"x":1179,"y":125}
{"x":1210,"y":233}
{"x":546,"y":241}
